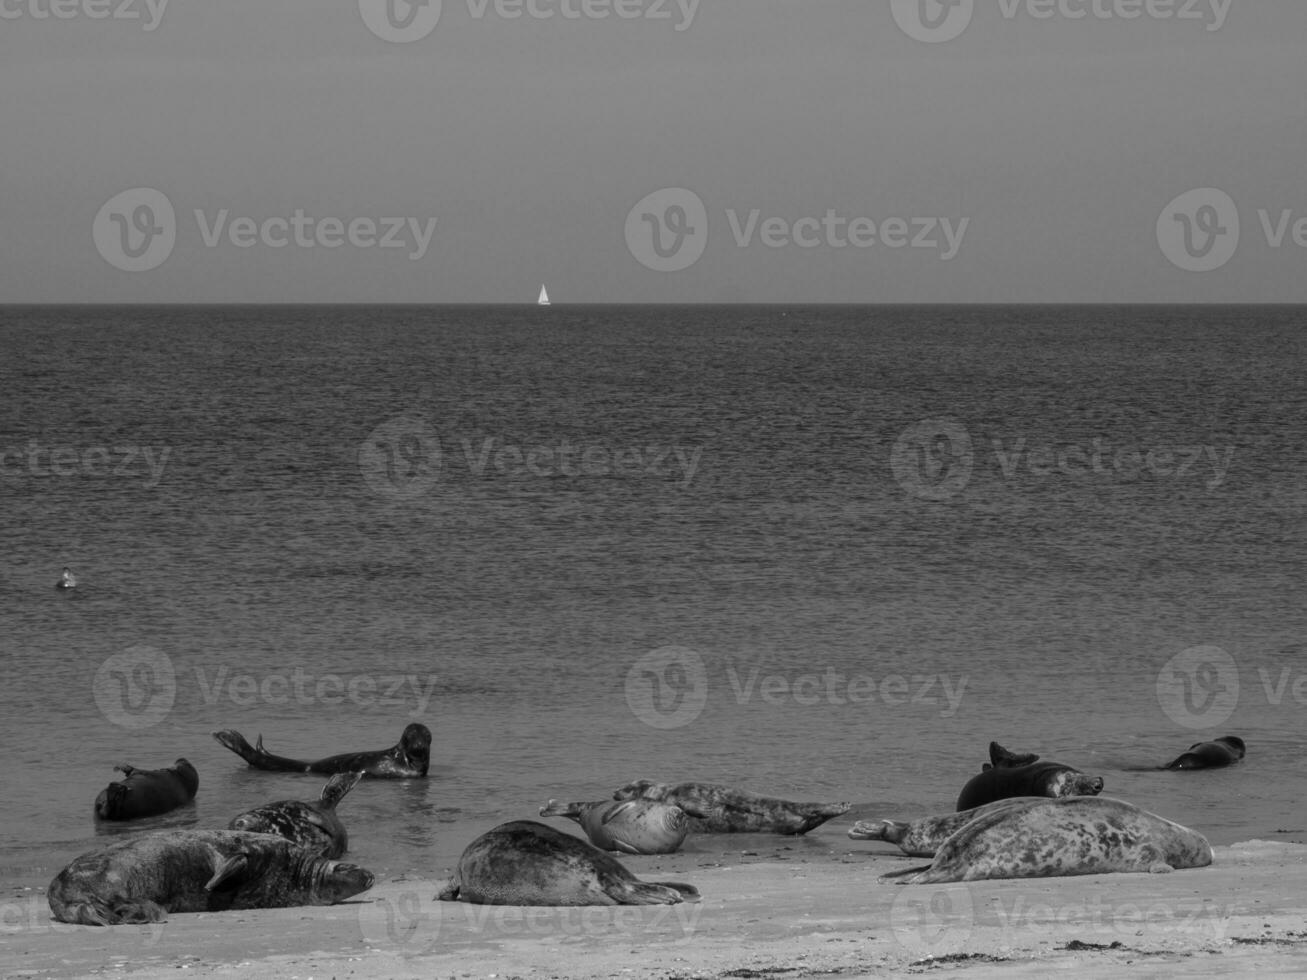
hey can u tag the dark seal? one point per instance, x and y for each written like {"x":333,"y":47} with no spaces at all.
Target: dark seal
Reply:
{"x":530,"y":863}
{"x":143,"y":879}
{"x":147,"y":792}
{"x":313,"y":825}
{"x":1002,"y":779}
{"x":1224,"y":751}
{"x":407,"y":760}
{"x":720,"y":809}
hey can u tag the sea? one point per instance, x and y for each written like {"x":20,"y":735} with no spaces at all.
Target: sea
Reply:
{"x":815,"y":552}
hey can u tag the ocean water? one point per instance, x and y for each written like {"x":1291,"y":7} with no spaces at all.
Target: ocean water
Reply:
{"x":817,"y":552}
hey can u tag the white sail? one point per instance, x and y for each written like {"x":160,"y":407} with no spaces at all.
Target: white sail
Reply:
{"x":544,"y":296}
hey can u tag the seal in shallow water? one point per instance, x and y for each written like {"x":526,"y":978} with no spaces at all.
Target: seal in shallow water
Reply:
{"x":1083,"y":835}
{"x":143,"y":879}
{"x":924,"y":836}
{"x":147,"y":792}
{"x":721,"y":810}
{"x":630,"y":826}
{"x":530,"y":863}
{"x":1002,"y":780}
{"x":1223,"y":751}
{"x":313,"y":825}
{"x":409,"y":759}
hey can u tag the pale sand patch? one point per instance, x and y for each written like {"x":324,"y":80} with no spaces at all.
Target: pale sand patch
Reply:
{"x":765,"y":916}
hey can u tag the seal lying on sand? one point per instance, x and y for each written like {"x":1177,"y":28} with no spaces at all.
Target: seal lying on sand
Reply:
{"x":147,"y":792}
{"x":314,"y":826}
{"x":142,"y":879}
{"x":1223,"y":751}
{"x":632,"y":826}
{"x":1052,"y":838}
{"x":409,"y":759}
{"x":530,"y":863}
{"x":925,"y":836}
{"x":722,"y":810}
{"x":1002,"y":779}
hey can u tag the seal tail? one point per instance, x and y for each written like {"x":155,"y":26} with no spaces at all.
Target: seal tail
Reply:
{"x":877,"y":830}
{"x":235,"y":741}
{"x":100,"y":914}
{"x":919,"y":872}
{"x":652,"y":892}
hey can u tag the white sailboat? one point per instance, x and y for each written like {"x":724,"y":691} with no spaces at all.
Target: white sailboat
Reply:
{"x":544,"y":296}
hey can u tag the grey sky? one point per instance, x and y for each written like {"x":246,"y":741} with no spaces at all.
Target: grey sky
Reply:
{"x":1058,"y":141}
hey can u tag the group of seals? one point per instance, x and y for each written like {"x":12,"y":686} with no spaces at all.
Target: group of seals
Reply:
{"x":528,"y":863}
{"x":409,"y":759}
{"x":147,"y":792}
{"x":142,"y":879}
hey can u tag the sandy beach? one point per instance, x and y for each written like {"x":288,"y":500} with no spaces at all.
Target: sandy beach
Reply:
{"x":764,"y":913}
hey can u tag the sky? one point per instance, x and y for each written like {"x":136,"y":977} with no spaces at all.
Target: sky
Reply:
{"x":653,"y":151}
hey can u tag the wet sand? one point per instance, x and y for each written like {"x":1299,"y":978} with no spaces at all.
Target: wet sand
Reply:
{"x":764,"y":913}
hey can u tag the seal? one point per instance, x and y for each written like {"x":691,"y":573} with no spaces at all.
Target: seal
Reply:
{"x":721,"y":810}
{"x":314,"y":825}
{"x":528,"y":863}
{"x":409,"y":759}
{"x":147,"y":792}
{"x":144,"y":878}
{"x":1084,"y":835}
{"x":67,"y":580}
{"x":1223,"y":751}
{"x":924,"y":836}
{"x":630,"y":826}
{"x":1002,"y":779}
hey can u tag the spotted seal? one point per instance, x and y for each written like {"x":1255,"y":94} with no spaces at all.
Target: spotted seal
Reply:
{"x":409,"y":759}
{"x":720,"y":809}
{"x":147,"y":792}
{"x":924,"y":836}
{"x":67,"y":580}
{"x":1224,"y":751}
{"x":312,"y":825}
{"x":1008,"y":775}
{"x":1083,"y":835}
{"x":630,"y":826}
{"x":144,"y":878}
{"x":529,"y":863}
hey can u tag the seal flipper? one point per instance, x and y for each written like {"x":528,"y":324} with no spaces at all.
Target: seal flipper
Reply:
{"x":225,"y":868}
{"x":125,"y":768}
{"x":338,"y":787}
{"x":1001,"y":758}
{"x":450,"y":892}
{"x":635,"y":892}
{"x":618,"y":810}
{"x":920,"y":869}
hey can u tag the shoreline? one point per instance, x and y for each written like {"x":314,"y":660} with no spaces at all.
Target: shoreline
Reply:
{"x":765,"y":912}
